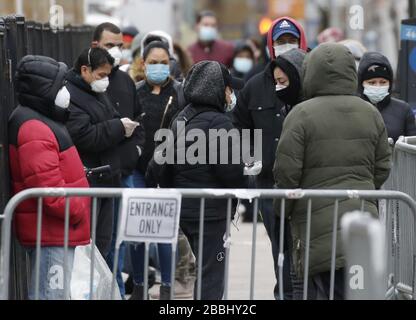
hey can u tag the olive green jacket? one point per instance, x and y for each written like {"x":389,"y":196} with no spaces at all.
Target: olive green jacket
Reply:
{"x":334,"y":140}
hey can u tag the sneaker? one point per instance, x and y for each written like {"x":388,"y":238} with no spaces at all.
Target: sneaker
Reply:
{"x":164,"y":293}
{"x":182,"y":291}
{"x":138,"y":293}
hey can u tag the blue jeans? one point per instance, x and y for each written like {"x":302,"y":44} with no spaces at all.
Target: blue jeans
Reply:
{"x":165,"y":260}
{"x":126,"y":182}
{"x":137,"y":251}
{"x":51,"y":272}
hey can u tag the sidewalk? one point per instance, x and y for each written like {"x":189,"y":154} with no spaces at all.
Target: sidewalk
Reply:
{"x":240,"y":264}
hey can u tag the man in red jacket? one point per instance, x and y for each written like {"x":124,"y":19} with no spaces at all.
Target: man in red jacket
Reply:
{"x":42,"y":155}
{"x":208,"y":46}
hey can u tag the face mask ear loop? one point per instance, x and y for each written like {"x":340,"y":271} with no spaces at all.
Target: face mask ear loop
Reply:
{"x":89,"y":57}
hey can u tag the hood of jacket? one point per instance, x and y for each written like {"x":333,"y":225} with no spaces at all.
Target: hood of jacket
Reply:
{"x":204,"y":85}
{"x":329,"y":70}
{"x":160,"y":34}
{"x":369,"y":59}
{"x":303,"y":40}
{"x":38,"y":80}
{"x":295,"y":57}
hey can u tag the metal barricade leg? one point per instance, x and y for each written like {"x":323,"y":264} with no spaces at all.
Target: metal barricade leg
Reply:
{"x":253,"y":249}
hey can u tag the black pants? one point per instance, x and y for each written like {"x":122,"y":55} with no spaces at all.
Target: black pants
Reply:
{"x":319,"y":286}
{"x":105,"y":213}
{"x":272,"y":225}
{"x":213,"y":256}
{"x":104,"y":228}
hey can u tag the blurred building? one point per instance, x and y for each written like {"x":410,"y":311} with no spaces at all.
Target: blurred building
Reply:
{"x":38,"y":10}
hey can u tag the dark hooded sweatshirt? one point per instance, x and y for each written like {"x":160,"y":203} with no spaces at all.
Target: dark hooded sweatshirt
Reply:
{"x":291,"y":63}
{"x":259,"y":108}
{"x":333,"y":140}
{"x":205,"y":91}
{"x":397,"y":114}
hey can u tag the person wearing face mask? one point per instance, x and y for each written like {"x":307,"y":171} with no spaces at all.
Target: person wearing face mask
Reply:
{"x":243,"y":60}
{"x":288,"y":78}
{"x":122,"y":94}
{"x":209,"y":47}
{"x":159,"y":99}
{"x":209,"y":90}
{"x":157,"y":35}
{"x":259,"y":108}
{"x":127,"y":53}
{"x":98,"y":130}
{"x":333,"y":140}
{"x":42,"y":155}
{"x":375,"y":76}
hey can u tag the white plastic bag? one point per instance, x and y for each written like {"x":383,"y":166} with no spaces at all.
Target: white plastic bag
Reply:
{"x":80,"y":281}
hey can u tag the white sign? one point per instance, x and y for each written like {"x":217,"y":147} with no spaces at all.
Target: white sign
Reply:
{"x":149,"y":215}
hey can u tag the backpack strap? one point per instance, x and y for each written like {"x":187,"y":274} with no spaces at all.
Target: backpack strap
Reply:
{"x":178,"y":86}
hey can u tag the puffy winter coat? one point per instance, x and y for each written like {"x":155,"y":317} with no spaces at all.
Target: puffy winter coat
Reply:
{"x":334,"y":140}
{"x":397,"y":114}
{"x":95,"y":128}
{"x":42,"y":155}
{"x":259,"y":108}
{"x":208,"y":105}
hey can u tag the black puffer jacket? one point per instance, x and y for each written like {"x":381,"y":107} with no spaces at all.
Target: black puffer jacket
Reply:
{"x":122,"y":93}
{"x":205,"y":91}
{"x":397,"y":114}
{"x":95,"y":128}
{"x":152,"y":107}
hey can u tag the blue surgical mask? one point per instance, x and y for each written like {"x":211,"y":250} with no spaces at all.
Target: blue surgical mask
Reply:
{"x":157,"y":73}
{"x":207,"y":34}
{"x":243,"y":65}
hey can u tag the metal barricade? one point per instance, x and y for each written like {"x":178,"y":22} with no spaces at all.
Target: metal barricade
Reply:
{"x":400,"y":238}
{"x":253,"y":195}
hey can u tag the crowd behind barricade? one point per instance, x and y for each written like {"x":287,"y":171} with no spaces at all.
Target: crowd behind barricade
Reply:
{"x":325,"y":115}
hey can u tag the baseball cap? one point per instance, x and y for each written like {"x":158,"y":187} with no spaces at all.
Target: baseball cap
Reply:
{"x":285,"y":27}
{"x":230,"y":81}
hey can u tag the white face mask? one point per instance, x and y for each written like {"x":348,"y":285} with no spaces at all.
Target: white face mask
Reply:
{"x":207,"y":34}
{"x":230,"y":107}
{"x":100,"y":86}
{"x":63,"y":98}
{"x":280,"y":87}
{"x":115,"y":52}
{"x":243,"y":65}
{"x":127,"y":55}
{"x":283,"y":48}
{"x":376,"y":94}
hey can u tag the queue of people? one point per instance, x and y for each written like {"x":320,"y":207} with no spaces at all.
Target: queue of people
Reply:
{"x":325,"y":114}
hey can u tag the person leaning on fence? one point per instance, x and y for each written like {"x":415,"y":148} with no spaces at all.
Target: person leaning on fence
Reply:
{"x":333,"y":140}
{"x":42,"y":155}
{"x":209,"y":91}
{"x":375,"y":84}
{"x":97,"y":130}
